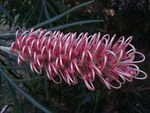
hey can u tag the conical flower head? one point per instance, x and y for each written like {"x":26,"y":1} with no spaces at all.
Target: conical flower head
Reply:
{"x":69,"y":57}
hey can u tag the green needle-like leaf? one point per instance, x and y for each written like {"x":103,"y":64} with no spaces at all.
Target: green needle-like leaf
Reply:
{"x":61,"y":15}
{"x":31,"y":99}
{"x":6,"y":36}
{"x":74,"y":23}
{"x":28,"y":80}
{"x":5,"y":12}
{"x":15,"y":99}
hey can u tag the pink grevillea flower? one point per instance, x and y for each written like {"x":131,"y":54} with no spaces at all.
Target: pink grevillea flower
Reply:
{"x":69,"y":57}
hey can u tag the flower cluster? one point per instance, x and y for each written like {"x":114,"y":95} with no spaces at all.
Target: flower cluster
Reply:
{"x":69,"y":57}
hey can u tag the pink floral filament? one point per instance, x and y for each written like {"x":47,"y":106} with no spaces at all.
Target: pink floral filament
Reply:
{"x":69,"y":57}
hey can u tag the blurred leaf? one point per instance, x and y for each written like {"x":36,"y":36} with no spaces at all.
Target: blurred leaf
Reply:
{"x":96,"y":101}
{"x":56,"y":28}
{"x":8,"y":61}
{"x":61,"y":15}
{"x":6,"y":12}
{"x":31,"y":99}
{"x":40,"y":13}
{"x":6,"y":36}
{"x":13,"y":67}
{"x":30,"y":79}
{"x":136,"y":109}
{"x":50,"y":7}
{"x":15,"y":99}
{"x":0,"y":81}
{"x":45,"y":9}
{"x":46,"y":87}
{"x":74,"y":23}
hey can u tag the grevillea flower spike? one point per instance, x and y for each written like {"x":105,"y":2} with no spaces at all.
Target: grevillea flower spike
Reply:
{"x":69,"y":57}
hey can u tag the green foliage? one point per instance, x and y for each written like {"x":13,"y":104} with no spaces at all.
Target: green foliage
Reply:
{"x":26,"y":92}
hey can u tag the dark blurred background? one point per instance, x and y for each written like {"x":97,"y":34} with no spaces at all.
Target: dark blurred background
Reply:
{"x":121,"y":17}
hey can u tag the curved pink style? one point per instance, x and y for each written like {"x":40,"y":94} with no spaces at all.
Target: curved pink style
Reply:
{"x":69,"y":57}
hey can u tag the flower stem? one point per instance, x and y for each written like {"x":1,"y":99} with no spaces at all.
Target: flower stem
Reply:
{"x":4,"y":48}
{"x":7,"y":49}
